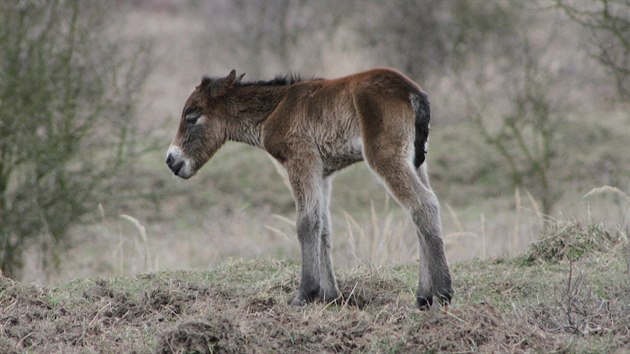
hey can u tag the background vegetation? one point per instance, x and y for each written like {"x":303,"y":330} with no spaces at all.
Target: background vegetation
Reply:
{"x":67,"y":92}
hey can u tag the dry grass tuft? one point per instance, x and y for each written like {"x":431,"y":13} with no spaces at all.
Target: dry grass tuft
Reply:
{"x":572,"y":240}
{"x":607,"y":190}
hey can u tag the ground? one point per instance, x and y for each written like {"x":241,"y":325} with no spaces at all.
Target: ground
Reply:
{"x":568,"y":293}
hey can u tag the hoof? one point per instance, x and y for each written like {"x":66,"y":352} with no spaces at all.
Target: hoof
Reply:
{"x":302,"y":299}
{"x":444,"y":296}
{"x":329,"y":296}
{"x":424,"y":302}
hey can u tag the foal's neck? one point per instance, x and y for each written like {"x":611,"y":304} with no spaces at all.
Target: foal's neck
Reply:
{"x":250,"y":107}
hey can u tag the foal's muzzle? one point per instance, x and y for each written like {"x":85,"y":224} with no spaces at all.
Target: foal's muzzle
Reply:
{"x":179,"y":163}
{"x":174,"y":165}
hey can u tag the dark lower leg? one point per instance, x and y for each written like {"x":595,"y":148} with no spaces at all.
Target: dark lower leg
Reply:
{"x":309,"y":228}
{"x":435,"y":267}
{"x":329,"y":290}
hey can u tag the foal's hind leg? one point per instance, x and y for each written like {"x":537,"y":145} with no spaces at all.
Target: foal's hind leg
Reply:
{"x":430,"y":227}
{"x":329,"y":290}
{"x":422,"y":204}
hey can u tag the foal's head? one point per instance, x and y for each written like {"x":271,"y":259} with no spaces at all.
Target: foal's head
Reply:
{"x":201,"y":129}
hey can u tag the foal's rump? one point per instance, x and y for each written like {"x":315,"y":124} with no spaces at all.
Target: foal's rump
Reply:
{"x":394,"y":115}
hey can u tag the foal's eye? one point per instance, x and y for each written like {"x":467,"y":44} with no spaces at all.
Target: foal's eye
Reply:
{"x":191,"y":115}
{"x":192,"y":118}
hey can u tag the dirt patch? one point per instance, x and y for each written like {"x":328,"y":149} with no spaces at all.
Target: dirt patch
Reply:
{"x":236,"y":312}
{"x":261,"y":304}
{"x":376,"y":290}
{"x":216,"y":334}
{"x":480,"y":328}
{"x":290,"y":330}
{"x":279,"y":329}
{"x":103,"y":317}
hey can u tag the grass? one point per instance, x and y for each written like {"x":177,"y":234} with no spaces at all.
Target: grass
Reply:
{"x":572,"y":240}
{"x":505,"y":305}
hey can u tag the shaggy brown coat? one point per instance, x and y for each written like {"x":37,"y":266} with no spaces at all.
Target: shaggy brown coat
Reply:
{"x":315,"y":128}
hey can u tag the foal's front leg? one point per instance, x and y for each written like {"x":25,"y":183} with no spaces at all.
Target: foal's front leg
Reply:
{"x":306,"y":182}
{"x":328,"y":284}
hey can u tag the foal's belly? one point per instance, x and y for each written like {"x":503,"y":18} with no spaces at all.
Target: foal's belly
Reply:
{"x":340,"y":154}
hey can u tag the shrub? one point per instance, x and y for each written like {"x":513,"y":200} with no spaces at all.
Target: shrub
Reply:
{"x":66,"y":99}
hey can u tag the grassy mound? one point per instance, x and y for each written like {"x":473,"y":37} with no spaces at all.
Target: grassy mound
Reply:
{"x":570,"y":241}
{"x":500,"y":306}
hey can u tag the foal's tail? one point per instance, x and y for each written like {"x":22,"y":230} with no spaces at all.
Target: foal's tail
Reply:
{"x":420,"y":103}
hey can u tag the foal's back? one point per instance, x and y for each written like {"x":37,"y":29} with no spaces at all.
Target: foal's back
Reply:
{"x":340,"y":117}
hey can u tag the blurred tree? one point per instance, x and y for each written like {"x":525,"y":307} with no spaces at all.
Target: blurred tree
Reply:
{"x":276,"y":36}
{"x":66,"y":102}
{"x":526,"y":133}
{"x":507,"y":86}
{"x":608,"y":22}
{"x":424,"y":38}
{"x":607,"y":25}
{"x":410,"y":35}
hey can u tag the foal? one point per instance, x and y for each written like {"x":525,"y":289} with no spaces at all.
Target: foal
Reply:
{"x":315,"y":128}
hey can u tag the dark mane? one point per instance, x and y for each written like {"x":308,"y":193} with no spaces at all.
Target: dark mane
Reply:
{"x":285,"y":80}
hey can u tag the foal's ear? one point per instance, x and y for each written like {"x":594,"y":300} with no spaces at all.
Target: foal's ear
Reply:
{"x":231,"y":79}
{"x":231,"y":76}
{"x":219,"y":87}
{"x":205,"y":83}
